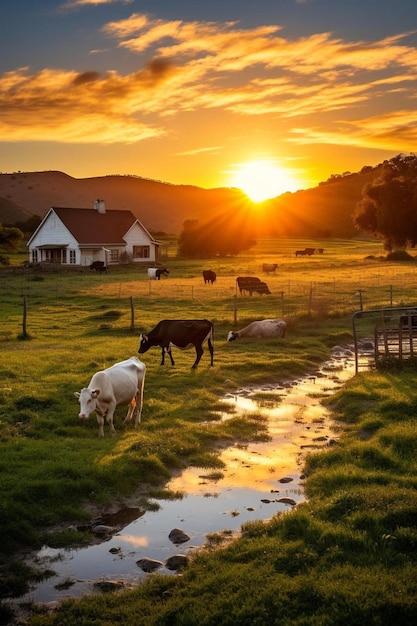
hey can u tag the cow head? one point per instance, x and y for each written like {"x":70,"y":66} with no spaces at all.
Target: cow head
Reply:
{"x":88,"y":401}
{"x":144,"y":344}
{"x":232,"y":336}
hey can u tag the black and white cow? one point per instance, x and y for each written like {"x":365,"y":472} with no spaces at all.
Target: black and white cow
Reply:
{"x":209,"y":276}
{"x":181,"y":334}
{"x":155,"y":273}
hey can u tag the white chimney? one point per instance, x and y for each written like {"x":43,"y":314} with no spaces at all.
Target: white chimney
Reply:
{"x":100,"y":206}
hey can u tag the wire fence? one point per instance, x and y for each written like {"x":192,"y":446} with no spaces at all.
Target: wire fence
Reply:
{"x":131,"y":303}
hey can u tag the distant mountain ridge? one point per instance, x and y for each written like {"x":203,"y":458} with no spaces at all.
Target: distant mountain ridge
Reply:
{"x":325,"y":210}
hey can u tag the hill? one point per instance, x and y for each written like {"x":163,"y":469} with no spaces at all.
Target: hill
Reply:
{"x":160,"y":206}
{"x":321,"y":211}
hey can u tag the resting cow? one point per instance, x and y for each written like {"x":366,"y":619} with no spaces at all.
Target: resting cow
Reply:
{"x":121,"y":383}
{"x":209,"y":276}
{"x":260,"y":329}
{"x":268,"y":268}
{"x":181,"y":334}
{"x":155,"y":273}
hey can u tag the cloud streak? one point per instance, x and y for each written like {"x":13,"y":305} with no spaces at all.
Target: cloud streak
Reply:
{"x":202,"y":66}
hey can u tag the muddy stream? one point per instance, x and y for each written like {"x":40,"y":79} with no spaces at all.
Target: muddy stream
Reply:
{"x":258,"y":480}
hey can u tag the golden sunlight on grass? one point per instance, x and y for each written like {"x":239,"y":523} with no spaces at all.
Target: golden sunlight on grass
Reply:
{"x":261,"y":180}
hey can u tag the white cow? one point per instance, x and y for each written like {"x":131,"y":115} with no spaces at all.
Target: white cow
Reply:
{"x":259,"y":329}
{"x":122,"y":383}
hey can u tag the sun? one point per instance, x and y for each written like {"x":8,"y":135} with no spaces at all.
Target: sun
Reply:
{"x":261,"y":180}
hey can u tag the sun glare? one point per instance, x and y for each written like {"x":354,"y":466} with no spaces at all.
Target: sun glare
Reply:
{"x":261,"y":180}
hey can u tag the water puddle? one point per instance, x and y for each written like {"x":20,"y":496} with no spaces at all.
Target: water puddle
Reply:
{"x":258,"y":480}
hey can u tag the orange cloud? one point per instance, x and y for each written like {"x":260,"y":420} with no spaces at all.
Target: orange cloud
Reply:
{"x":219,"y":66}
{"x":395,"y":131}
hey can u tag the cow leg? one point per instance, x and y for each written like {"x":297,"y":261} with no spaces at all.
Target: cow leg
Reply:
{"x":109,"y":419}
{"x":139,"y":401}
{"x":163,"y":356}
{"x":170,"y":356}
{"x":211,"y":348}
{"x":100,"y":422}
{"x":130,"y":410}
{"x":199,"y":351}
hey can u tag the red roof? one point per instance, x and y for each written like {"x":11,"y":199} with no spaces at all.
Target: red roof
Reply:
{"x":88,"y":226}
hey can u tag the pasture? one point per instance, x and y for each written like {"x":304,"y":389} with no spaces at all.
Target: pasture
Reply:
{"x":55,"y":470}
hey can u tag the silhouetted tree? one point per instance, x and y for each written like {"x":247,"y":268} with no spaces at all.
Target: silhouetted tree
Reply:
{"x":227,"y":234}
{"x":388,"y":208}
{"x":10,"y":239}
{"x":28,"y":226}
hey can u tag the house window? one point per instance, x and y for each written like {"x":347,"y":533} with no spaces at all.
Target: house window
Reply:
{"x":72,"y":256}
{"x":114,"y":256}
{"x":141,"y":252}
{"x":34,"y":256}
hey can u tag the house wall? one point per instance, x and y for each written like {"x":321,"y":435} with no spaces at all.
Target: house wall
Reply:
{"x":136,"y":236}
{"x":54,"y":233}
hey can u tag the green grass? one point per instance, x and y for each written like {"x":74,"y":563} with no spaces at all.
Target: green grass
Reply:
{"x":347,"y":556}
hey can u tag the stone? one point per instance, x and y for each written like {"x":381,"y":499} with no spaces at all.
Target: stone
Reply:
{"x":177,"y":562}
{"x":178,"y":536}
{"x":149,"y":565}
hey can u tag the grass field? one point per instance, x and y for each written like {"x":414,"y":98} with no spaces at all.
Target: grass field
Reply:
{"x":345,"y":557}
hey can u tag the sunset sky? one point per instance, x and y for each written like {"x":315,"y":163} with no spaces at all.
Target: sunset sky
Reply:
{"x":199,"y":92}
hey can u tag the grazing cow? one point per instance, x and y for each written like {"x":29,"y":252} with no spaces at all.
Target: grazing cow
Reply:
{"x":252,"y":284}
{"x":260,"y":329}
{"x":99,"y":266}
{"x":305,"y":252}
{"x":155,"y":273}
{"x":268,"y":268}
{"x":209,"y":276}
{"x":181,"y":334}
{"x":320,"y":250}
{"x":246,"y":283}
{"x":121,"y":383}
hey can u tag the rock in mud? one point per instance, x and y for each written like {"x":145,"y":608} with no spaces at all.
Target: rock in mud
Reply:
{"x":149,"y":565}
{"x":178,"y":536}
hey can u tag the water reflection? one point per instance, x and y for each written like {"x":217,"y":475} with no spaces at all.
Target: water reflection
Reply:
{"x":257,"y":481}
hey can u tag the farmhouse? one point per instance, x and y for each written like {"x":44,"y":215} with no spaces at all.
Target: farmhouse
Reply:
{"x":70,"y":236}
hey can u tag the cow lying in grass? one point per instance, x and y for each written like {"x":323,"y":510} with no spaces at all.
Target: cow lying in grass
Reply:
{"x":121,"y":383}
{"x":260,"y":329}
